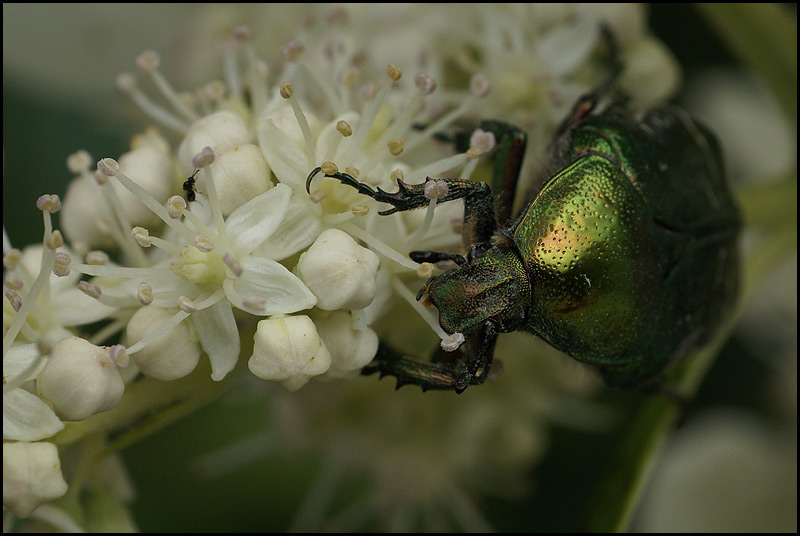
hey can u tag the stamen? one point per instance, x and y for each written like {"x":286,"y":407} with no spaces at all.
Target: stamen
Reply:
{"x":230,"y":68}
{"x":425,"y":270}
{"x":479,"y":85}
{"x":61,"y":264}
{"x":90,"y":289}
{"x":54,"y":240}
{"x":109,"y":167}
{"x":481,"y":139}
{"x":452,"y":342}
{"x":425,"y":83}
{"x":14,"y":299}
{"x":79,"y":162}
{"x":142,"y":236}
{"x":175,"y":206}
{"x":359,"y":210}
{"x":145,"y":293}
{"x":13,"y":282}
{"x":343,"y":127}
{"x":119,"y":356}
{"x":395,"y":146}
{"x":97,"y":257}
{"x":433,"y":191}
{"x":329,"y":168}
{"x":302,"y":121}
{"x":42,"y":279}
{"x":394,"y":72}
{"x":423,"y":312}
{"x":347,"y":150}
{"x":154,"y":334}
{"x":186,"y":304}
{"x":126,"y":83}
{"x":204,"y":244}
{"x":378,"y":245}
{"x":149,"y":61}
{"x":11,"y":258}
{"x":49,"y":203}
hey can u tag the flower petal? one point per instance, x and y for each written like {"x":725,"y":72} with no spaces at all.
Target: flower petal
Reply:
{"x":298,"y":229}
{"x":250,"y":224}
{"x":75,"y":308}
{"x":566,"y":46}
{"x":219,"y":337}
{"x":285,"y":157}
{"x":268,"y":288}
{"x":18,"y":359}
{"x":27,"y":418}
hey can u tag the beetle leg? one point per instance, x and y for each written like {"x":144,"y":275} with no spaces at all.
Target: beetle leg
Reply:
{"x":478,"y":360}
{"x":510,"y":142}
{"x":436,"y":256}
{"x":479,"y":218}
{"x":409,"y":196}
{"x":445,"y":373}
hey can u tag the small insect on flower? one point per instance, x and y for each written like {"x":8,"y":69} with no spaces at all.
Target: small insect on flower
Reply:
{"x":188,"y":187}
{"x":625,"y":259}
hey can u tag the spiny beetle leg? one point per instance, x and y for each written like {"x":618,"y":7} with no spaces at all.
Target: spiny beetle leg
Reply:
{"x":470,"y":368}
{"x":388,"y":362}
{"x":436,"y":256}
{"x":409,"y":196}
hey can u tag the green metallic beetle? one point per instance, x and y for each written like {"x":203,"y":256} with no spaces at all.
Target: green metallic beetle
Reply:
{"x":625,"y":259}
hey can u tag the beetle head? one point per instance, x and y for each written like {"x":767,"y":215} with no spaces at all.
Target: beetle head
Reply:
{"x":492,"y":286}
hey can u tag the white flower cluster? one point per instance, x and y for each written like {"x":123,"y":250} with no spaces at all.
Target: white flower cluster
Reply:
{"x":246,"y":250}
{"x":218,"y":239}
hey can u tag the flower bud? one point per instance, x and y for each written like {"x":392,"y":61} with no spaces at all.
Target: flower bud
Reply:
{"x":240,"y":174}
{"x":153,"y":171}
{"x":80,"y":379}
{"x":339,"y":272}
{"x":351,"y":348}
{"x":81,"y":218}
{"x":31,"y":476}
{"x":288,"y":350}
{"x":169,"y":357}
{"x":220,"y":131}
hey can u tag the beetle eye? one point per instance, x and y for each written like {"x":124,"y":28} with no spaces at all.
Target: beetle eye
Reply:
{"x":478,"y":251}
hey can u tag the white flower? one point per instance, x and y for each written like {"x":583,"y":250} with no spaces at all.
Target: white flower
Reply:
{"x":212,"y":266}
{"x":26,"y":417}
{"x":31,"y":476}
{"x":339,"y":272}
{"x":92,"y":219}
{"x":80,"y":379}
{"x":288,"y":350}
{"x":59,"y":303}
